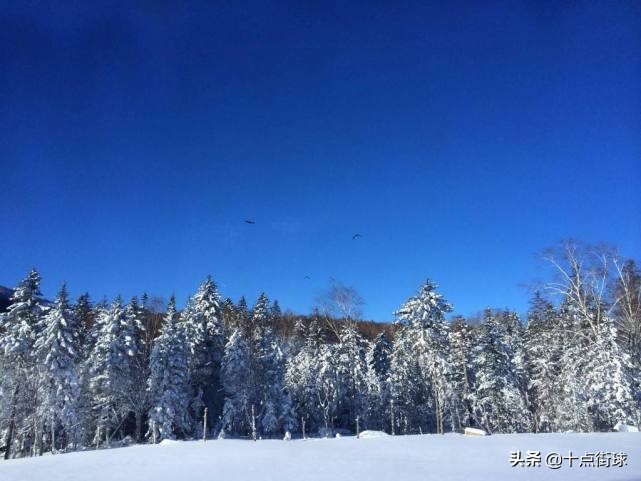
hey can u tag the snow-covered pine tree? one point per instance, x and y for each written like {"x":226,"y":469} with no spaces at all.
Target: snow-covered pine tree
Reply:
{"x":168,"y":388}
{"x":462,"y":377}
{"x":20,"y":328}
{"x":542,"y":363}
{"x":228,"y":315}
{"x":607,"y":379}
{"x":571,"y":343}
{"x":237,"y":379}
{"x":110,"y":366}
{"x":302,"y":370}
{"x":271,"y":404}
{"x":498,"y":401}
{"x":327,"y":386}
{"x":138,"y":395}
{"x":57,"y":352}
{"x":205,"y":336}
{"x":351,"y":376}
{"x":84,"y":315}
{"x":423,"y":336}
{"x":378,"y":360}
{"x":410,"y":396}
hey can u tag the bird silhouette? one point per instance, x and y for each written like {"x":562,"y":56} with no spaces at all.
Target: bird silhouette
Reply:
{"x":306,"y":277}
{"x":249,"y":221}
{"x":356,"y":236}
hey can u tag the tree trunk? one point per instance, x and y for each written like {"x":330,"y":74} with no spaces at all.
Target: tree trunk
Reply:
{"x":12,"y":423}
{"x":9,"y":440}
{"x":138,"y":426}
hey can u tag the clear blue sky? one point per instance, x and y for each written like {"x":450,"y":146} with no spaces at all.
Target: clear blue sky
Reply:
{"x":458,"y":139}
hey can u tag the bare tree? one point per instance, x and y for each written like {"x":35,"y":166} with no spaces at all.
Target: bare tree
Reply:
{"x":340,"y":304}
{"x":583,"y":274}
{"x":626,"y":294}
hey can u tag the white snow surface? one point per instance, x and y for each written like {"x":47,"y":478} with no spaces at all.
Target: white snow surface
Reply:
{"x":625,"y":428}
{"x":429,"y":457}
{"x":368,"y":434}
{"x":475,"y":432}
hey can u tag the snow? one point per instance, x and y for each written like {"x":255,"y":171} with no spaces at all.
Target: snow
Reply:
{"x":413,"y":458}
{"x":625,"y":428}
{"x":372,"y":434}
{"x":474,"y":432}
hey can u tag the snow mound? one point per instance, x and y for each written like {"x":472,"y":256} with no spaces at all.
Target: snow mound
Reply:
{"x":625,"y":428}
{"x":475,"y":432}
{"x":168,"y":442}
{"x":372,"y":434}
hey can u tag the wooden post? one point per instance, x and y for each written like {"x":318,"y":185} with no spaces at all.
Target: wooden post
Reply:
{"x":205,"y":425}
{"x":53,"y":436}
{"x":153,"y":431}
{"x":253,"y":424}
{"x":358,"y":429}
{"x":391,"y":411}
{"x":302,"y":420}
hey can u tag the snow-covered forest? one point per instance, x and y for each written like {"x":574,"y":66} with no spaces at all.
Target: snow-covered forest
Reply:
{"x":79,"y":374}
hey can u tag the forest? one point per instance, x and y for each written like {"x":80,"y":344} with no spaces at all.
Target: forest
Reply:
{"x":78,"y":374}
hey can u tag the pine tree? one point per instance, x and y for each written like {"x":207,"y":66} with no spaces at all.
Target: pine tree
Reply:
{"x":237,"y":378}
{"x":302,"y":373}
{"x":205,"y":335}
{"x":378,"y":361}
{"x":168,"y":379}
{"x":57,"y":353}
{"x":498,"y":401}
{"x":351,"y":376}
{"x":570,"y":403}
{"x":84,"y":315}
{"x":138,"y":394}
{"x":20,"y":328}
{"x":542,"y":364}
{"x":608,"y":385}
{"x":423,"y":337}
{"x":268,"y":365}
{"x":462,"y":377}
{"x":110,"y":366}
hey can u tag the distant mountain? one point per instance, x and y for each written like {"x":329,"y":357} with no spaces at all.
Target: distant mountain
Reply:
{"x":5,"y":295}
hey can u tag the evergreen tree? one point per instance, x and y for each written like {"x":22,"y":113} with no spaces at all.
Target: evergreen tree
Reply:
{"x":608,"y":387}
{"x":138,"y":395}
{"x":498,"y":401}
{"x":302,"y":373}
{"x":237,"y":377}
{"x":351,"y":377}
{"x":110,"y":366}
{"x":423,"y":338}
{"x":20,"y":328}
{"x":204,"y":332}
{"x":462,"y":377}
{"x":83,"y":314}
{"x":543,"y":364}
{"x":168,"y":388}
{"x":379,"y":360}
{"x":56,"y":351}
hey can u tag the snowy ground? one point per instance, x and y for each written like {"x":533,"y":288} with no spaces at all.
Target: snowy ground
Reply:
{"x":431,"y":457}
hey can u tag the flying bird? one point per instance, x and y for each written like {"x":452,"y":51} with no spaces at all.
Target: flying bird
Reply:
{"x":306,"y":277}
{"x":249,"y":221}
{"x":356,"y":236}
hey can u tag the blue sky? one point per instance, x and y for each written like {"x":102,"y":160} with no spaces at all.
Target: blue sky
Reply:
{"x":458,"y":139}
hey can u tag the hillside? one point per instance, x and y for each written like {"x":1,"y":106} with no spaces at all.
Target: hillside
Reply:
{"x":416,"y":458}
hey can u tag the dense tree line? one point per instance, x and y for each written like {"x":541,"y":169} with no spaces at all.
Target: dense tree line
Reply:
{"x":78,"y":374}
